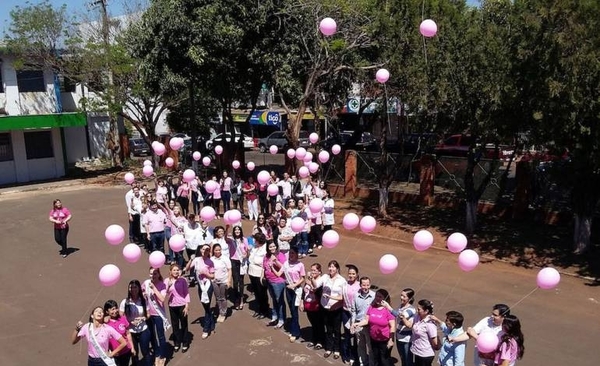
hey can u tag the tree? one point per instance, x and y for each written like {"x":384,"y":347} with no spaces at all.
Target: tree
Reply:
{"x":312,"y":62}
{"x":561,"y":100}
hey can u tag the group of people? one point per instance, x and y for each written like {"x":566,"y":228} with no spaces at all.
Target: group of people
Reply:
{"x":154,"y":216}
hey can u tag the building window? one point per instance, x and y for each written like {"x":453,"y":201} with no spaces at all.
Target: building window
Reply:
{"x":31,"y":81}
{"x":6,"y":151}
{"x":38,"y":145}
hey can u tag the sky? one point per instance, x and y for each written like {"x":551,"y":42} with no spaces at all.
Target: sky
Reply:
{"x":115,"y":7}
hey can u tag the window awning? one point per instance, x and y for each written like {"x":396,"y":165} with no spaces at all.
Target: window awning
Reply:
{"x":42,"y":121}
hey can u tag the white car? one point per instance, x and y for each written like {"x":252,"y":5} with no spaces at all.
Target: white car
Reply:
{"x":218,"y":140}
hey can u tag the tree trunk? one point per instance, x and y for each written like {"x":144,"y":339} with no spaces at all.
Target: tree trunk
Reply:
{"x":582,"y":233}
{"x":293,"y":134}
{"x":471,"y":217}
{"x":384,"y":192}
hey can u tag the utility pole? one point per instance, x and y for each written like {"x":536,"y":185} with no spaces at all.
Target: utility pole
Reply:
{"x":113,"y":141}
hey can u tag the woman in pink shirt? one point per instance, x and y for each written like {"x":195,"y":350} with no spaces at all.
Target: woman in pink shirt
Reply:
{"x":121,"y":325}
{"x":250,"y":188}
{"x":272,"y":264}
{"x":511,"y":347}
{"x":217,"y":197}
{"x":349,"y":293}
{"x":294,"y":273}
{"x":239,"y":256}
{"x":179,"y":298}
{"x":60,"y":216}
{"x":226,"y":191}
{"x":98,"y":336}
{"x":183,"y":197}
{"x":204,"y":268}
{"x":154,"y":290}
{"x":382,"y":327}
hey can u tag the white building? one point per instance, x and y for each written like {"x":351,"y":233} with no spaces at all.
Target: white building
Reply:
{"x":41,"y":130}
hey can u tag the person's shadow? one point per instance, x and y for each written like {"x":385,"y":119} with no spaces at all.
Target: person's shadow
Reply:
{"x":71,"y":251}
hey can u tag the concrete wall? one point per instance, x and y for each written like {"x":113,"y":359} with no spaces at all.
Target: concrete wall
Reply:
{"x":75,"y":142}
{"x":20,"y":169}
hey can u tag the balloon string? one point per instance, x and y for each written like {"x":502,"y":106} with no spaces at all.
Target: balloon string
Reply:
{"x":403,"y":272}
{"x":451,"y":292}
{"x":431,"y":275}
{"x":92,"y":303}
{"x":350,"y":251}
{"x":523,"y":298}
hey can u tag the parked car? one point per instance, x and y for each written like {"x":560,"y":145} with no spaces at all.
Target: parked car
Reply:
{"x":279,"y":139}
{"x":458,"y":145}
{"x":218,"y":140}
{"x":366,"y":143}
{"x":139,"y":147}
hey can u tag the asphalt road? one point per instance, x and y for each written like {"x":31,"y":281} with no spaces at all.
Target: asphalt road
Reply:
{"x":44,"y":295}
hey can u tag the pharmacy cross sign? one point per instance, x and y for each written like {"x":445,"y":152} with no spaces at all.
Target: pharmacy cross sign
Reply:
{"x":353,"y":105}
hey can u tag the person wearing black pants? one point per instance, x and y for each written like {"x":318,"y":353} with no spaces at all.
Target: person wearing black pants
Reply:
{"x":256,"y":273}
{"x":333,"y":335}
{"x":60,"y":216}
{"x":178,"y":297}
{"x":263,"y":199}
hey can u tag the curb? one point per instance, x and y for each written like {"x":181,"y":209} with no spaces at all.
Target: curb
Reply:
{"x":41,"y":186}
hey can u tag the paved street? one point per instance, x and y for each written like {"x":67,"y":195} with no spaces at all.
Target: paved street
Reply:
{"x":44,"y":295}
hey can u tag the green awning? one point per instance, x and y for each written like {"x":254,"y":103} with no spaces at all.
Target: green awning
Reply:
{"x":42,"y":121}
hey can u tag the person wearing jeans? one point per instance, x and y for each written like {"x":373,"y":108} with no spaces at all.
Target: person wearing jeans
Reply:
{"x":204,"y":268}
{"x":358,"y":311}
{"x":226,"y":183}
{"x":273,"y":265}
{"x":155,"y":222}
{"x":154,"y":291}
{"x":222,"y":280}
{"x":294,"y":273}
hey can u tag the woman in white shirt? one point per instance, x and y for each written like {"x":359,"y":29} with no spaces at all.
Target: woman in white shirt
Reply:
{"x":256,"y":273}
{"x":222,"y":280}
{"x":332,"y":303}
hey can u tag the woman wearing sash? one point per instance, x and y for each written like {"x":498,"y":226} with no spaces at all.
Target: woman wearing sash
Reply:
{"x":98,"y":336}
{"x":154,"y":290}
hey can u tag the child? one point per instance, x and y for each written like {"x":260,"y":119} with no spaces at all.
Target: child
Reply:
{"x":451,"y":353}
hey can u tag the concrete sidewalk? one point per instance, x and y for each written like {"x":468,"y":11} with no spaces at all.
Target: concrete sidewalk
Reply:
{"x":41,"y":186}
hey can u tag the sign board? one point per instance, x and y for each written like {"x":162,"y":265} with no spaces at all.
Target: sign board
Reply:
{"x":353,"y":105}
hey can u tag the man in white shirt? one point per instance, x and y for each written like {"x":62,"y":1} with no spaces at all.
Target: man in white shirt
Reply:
{"x":134,"y":230}
{"x":286,"y":188}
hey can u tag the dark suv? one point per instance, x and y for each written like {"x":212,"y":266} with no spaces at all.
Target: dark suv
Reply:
{"x":138,"y":147}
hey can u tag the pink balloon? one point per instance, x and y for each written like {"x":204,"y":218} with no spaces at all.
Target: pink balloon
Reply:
{"x":327,"y":26}
{"x":291,"y":153}
{"x":109,"y":275}
{"x":157,"y":259}
{"x":303,"y":172}
{"x":468,"y":260}
{"x":169,"y":162}
{"x":316,"y":205}
{"x":196,"y":155}
{"x":297,"y":224}
{"x":313,"y":167}
{"x":147,"y":162}
{"x":177,"y":242}
{"x":206,"y":161}
{"x":308,"y":157}
{"x":428,"y":28}
{"x":235,"y":216}
{"x":174,"y":143}
{"x":487,"y":341}
{"x":456,"y":242}
{"x":350,"y":221}
{"x":129,"y":178}
{"x":207,"y":213}
{"x":189,"y":175}
{"x":159,"y":149}
{"x":273,"y":149}
{"x":114,"y":234}
{"x":323,"y":156}
{"x":300,"y":153}
{"x":218,"y":149}
{"x":263,"y":177}
{"x":250,"y":166}
{"x":548,"y":278}
{"x":388,"y":264}
{"x":154,"y":143}
{"x":211,"y":186}
{"x":313,"y":138}
{"x":336,"y":149}
{"x":273,"y":189}
{"x":422,"y":240}
{"x":147,"y":171}
{"x":330,"y":239}
{"x":367,"y":224}
{"x":382,"y":75}
{"x":132,"y":252}
{"x":235,"y":164}
{"x":307,"y":163}
{"x":226,"y":218}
